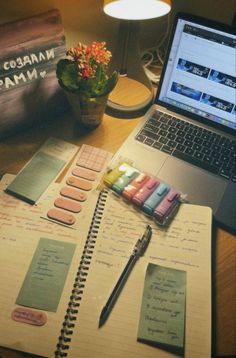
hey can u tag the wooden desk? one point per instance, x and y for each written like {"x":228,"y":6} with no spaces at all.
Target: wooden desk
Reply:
{"x":16,"y":150}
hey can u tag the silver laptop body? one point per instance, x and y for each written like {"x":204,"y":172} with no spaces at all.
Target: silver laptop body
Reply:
{"x":197,"y":87}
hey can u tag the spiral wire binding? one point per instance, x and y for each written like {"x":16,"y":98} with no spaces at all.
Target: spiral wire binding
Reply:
{"x":76,"y":294}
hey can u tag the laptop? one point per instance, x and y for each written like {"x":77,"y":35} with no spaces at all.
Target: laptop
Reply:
{"x":187,"y":137}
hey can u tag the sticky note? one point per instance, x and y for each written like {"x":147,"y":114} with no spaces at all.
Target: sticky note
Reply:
{"x":162,"y":317}
{"x":45,"y":165}
{"x":45,"y":279}
{"x":34,"y":179}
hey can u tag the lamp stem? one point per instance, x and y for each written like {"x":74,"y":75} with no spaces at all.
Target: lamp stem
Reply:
{"x":127,"y":62}
{"x":125,"y":40}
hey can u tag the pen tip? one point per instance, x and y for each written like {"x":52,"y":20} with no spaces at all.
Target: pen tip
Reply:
{"x":102,"y":318}
{"x":100,"y":323}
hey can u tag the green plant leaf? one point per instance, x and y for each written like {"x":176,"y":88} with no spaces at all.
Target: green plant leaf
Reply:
{"x":110,"y":85}
{"x":67,"y":74}
{"x":61,"y":65}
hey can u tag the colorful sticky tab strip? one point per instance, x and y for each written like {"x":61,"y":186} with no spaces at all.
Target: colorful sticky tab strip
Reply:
{"x":155,"y":198}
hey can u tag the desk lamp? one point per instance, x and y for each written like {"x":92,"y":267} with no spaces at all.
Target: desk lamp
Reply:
{"x":127,"y":58}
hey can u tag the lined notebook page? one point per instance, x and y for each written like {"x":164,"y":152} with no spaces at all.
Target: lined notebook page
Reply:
{"x":185,"y":245}
{"x":20,"y":232}
{"x":16,"y":252}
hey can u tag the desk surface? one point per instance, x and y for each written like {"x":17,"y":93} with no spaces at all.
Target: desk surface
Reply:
{"x":16,"y":150}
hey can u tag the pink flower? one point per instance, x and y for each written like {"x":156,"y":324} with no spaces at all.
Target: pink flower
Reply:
{"x":89,"y":57}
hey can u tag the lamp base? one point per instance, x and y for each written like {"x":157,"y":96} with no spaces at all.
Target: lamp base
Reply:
{"x":127,"y":62}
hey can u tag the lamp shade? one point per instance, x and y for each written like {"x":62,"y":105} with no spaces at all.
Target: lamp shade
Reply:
{"x":136,"y":9}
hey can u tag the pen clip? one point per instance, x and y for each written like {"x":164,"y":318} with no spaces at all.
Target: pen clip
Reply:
{"x":142,"y":243}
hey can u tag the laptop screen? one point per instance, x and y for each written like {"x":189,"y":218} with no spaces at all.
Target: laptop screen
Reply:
{"x":199,"y":76}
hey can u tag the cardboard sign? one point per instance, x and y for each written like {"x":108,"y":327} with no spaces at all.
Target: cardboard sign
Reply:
{"x":29,"y":90}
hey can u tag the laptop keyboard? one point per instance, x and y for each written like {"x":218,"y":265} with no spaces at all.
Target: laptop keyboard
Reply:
{"x":193,"y":144}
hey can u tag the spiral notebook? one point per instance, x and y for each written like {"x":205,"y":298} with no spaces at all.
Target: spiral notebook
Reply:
{"x":22,"y":235}
{"x":184,"y":245}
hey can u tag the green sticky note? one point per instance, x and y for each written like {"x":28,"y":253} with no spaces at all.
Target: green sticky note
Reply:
{"x":162,"y":318}
{"x":34,"y":179}
{"x":45,"y":279}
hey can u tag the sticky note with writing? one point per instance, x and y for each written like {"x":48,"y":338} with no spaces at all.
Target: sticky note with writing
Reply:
{"x":45,"y":279}
{"x":162,"y":318}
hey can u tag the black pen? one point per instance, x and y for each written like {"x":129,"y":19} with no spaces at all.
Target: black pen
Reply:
{"x":138,"y":251}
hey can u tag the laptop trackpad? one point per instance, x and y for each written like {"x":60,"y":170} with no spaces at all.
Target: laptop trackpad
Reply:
{"x":201,"y":188}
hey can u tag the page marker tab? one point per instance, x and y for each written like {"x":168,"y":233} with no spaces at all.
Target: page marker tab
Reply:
{"x":152,"y":183}
{"x":84,"y":173}
{"x":146,"y":190}
{"x":58,"y":215}
{"x":29,"y":316}
{"x":173,"y":194}
{"x":67,"y":205}
{"x":167,"y":207}
{"x":155,"y":198}
{"x":73,"y":194}
{"x":115,"y":173}
{"x":79,"y":183}
{"x":131,"y":189}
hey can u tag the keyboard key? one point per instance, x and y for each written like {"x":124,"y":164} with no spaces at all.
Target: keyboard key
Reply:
{"x":149,"y":141}
{"x":198,"y":155}
{"x":224,"y":173}
{"x":181,"y":147}
{"x":189,"y":151}
{"x":149,"y":134}
{"x":180,"y":133}
{"x":171,"y":136}
{"x":188,"y":143}
{"x":198,"y":140}
{"x":207,"y":159}
{"x":206,"y":150}
{"x":225,"y":152}
{"x":172,"y":143}
{"x":179,"y":139}
{"x":156,"y":114}
{"x":206,"y":144}
{"x":206,"y":136}
{"x":233,"y":178}
{"x":157,"y":145}
{"x":163,"y":140}
{"x":140,"y":138}
{"x":163,"y":119}
{"x":171,"y":122}
{"x":164,"y":126}
{"x":215,"y":154}
{"x":151,"y":128}
{"x":171,"y":130}
{"x":189,"y":136}
{"x":167,"y":149}
{"x":197,"y":147}
{"x":216,"y":163}
{"x":162,"y":133}
{"x":154,"y":122}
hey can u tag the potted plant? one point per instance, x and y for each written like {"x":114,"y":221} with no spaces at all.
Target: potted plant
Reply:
{"x":83,"y":74}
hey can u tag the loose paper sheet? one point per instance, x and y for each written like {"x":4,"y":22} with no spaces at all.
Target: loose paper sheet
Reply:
{"x":162,"y":317}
